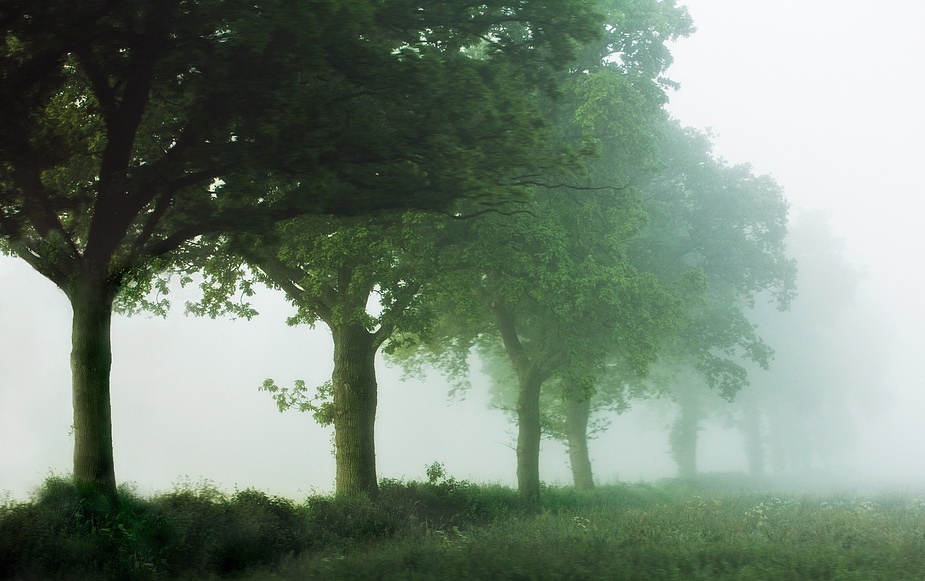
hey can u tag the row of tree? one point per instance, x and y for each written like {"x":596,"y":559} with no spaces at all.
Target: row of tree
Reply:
{"x":132,"y":128}
{"x":796,"y":412}
{"x":638,"y":246}
{"x":432,"y":178}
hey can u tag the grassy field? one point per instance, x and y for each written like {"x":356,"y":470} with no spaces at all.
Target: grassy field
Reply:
{"x":444,"y":529}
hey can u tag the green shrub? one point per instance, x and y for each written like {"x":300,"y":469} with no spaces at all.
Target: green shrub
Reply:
{"x":334,"y":521}
{"x":212,"y":532}
{"x":446,"y":528}
{"x":445,"y":504}
{"x":68,"y":532}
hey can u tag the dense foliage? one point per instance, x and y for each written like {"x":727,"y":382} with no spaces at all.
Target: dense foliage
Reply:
{"x":438,"y":179}
{"x":603,"y":106}
{"x":130,"y":128}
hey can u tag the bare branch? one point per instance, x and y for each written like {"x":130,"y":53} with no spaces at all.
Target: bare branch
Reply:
{"x":488,"y":211}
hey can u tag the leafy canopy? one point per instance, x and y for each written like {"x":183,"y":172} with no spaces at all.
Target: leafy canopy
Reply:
{"x":130,"y":127}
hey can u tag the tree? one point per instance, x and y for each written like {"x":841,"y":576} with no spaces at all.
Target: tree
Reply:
{"x":355,"y":442}
{"x":571,"y":411}
{"x":549,"y":289}
{"x":550,"y":285}
{"x":702,"y":219}
{"x":129,"y":127}
{"x":332,"y":270}
{"x":730,"y":224}
{"x":797,"y":415}
{"x":616,"y":108}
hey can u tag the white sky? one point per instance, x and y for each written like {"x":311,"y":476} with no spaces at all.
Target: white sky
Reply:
{"x":824,"y":95}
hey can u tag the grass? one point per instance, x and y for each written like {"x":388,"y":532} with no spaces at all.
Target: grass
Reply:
{"x":446,"y":529}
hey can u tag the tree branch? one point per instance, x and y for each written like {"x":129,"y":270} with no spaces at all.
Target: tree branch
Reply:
{"x":389,"y":320}
{"x":487,"y":211}
{"x":287,"y":278}
{"x":512,"y":343}
{"x":47,"y":268}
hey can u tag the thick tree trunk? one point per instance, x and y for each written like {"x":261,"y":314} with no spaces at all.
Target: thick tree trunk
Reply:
{"x":355,"y":400}
{"x":684,"y":436}
{"x":91,"y":362}
{"x":577,"y":414}
{"x":528,"y":437}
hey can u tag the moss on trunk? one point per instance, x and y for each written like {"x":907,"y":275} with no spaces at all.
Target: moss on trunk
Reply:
{"x":355,"y":400}
{"x":91,"y":363}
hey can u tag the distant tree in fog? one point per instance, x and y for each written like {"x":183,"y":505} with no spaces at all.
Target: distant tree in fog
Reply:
{"x":797,"y":414}
{"x":548,"y":288}
{"x":703,"y":220}
{"x":731,"y":224}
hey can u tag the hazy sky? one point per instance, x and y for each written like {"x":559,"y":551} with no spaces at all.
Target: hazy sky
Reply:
{"x":824,"y":95}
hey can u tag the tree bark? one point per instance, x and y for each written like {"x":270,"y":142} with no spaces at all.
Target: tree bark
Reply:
{"x":530,"y":378}
{"x":355,"y":401}
{"x":91,"y":363}
{"x":528,"y":437}
{"x":577,"y":414}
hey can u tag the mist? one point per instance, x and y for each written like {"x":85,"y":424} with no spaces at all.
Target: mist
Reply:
{"x":789,"y":87}
{"x":187,"y":409}
{"x":809,"y":111}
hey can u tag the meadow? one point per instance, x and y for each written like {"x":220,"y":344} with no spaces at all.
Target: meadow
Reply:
{"x":449,"y":529}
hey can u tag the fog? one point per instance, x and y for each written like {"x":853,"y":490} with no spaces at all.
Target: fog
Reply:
{"x":823,"y":95}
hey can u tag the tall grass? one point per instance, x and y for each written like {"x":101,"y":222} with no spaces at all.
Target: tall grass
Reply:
{"x":67,"y":532}
{"x":447,"y":529}
{"x":704,"y":537}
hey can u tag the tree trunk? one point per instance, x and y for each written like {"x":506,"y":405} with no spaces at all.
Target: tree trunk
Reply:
{"x":91,"y":362}
{"x":577,"y":414}
{"x":684,"y":435}
{"x":528,"y":437}
{"x":530,"y":378}
{"x":753,"y":433}
{"x":355,"y":400}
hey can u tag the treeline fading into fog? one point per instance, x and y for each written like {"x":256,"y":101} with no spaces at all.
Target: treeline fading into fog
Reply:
{"x":499,"y":180}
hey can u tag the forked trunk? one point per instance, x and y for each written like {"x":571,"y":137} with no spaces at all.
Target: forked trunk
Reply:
{"x":91,"y":362}
{"x":577,"y":414}
{"x":355,"y":400}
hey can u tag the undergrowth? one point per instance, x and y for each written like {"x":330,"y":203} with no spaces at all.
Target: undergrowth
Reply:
{"x":449,"y":529}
